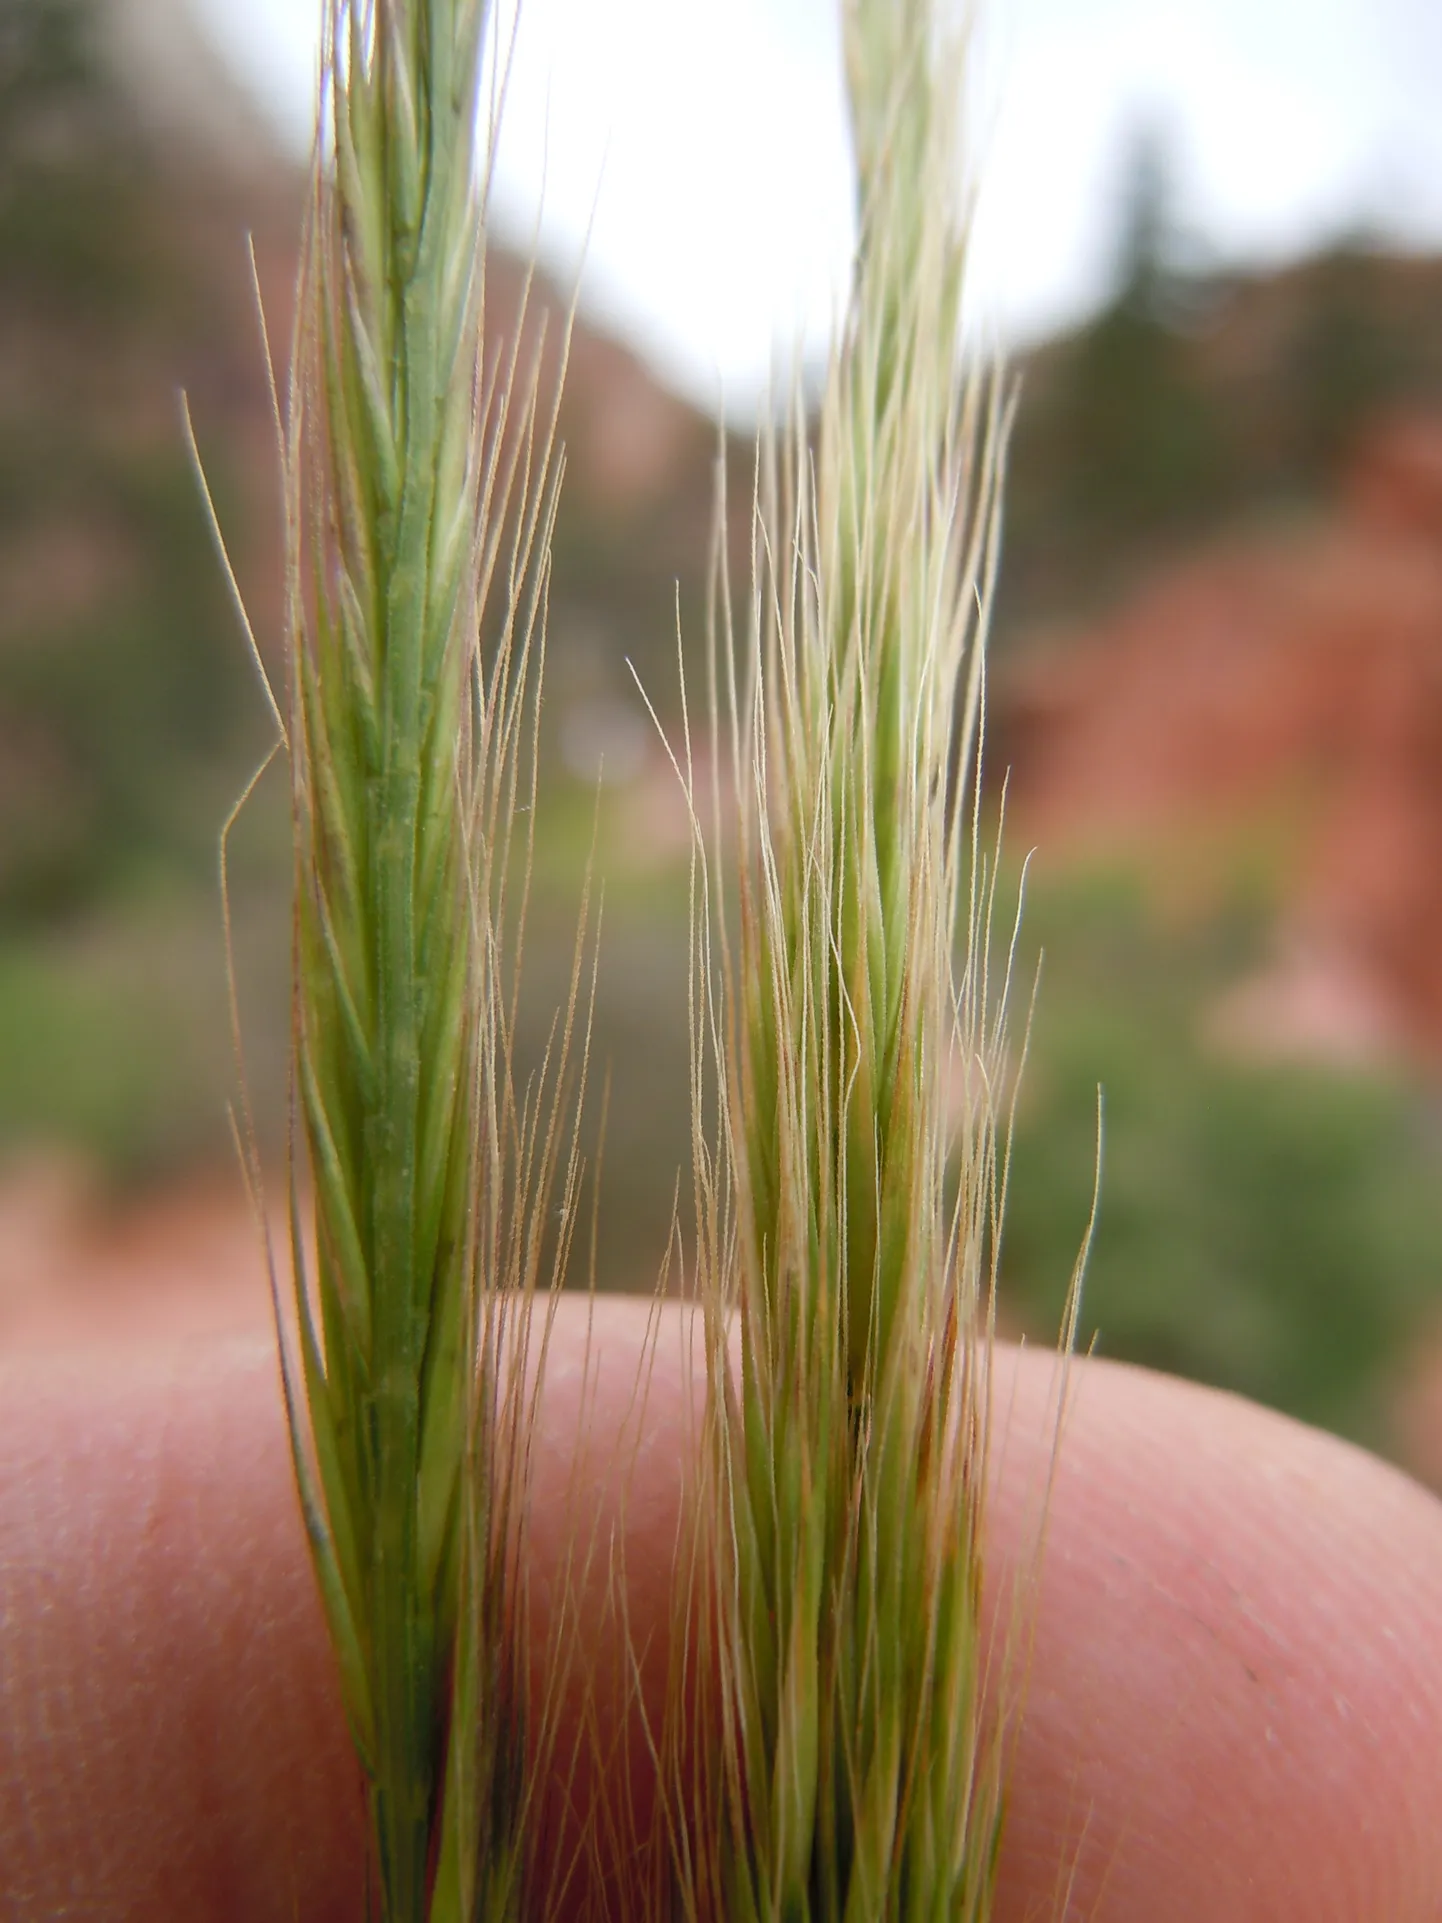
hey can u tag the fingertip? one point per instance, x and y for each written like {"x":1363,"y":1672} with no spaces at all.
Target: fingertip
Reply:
{"x":171,"y":1741}
{"x":1233,"y":1706}
{"x":1233,"y":1698}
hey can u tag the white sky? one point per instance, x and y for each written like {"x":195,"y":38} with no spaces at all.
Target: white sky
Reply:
{"x":702,"y":142}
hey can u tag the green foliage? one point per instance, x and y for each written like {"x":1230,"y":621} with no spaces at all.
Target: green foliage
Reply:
{"x":1195,"y":397}
{"x":1349,"y":359}
{"x":126,"y":702}
{"x":45,"y":63}
{"x":1148,"y":452}
{"x":1272,"y":1229}
{"x":114,"y":1032}
{"x":94,"y":1058}
{"x":125,"y":714}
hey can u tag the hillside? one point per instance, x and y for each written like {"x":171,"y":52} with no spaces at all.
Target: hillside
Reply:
{"x":1275,"y":682}
{"x":1191,"y":404}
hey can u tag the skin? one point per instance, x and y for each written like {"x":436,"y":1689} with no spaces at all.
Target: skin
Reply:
{"x":1233,"y":1708}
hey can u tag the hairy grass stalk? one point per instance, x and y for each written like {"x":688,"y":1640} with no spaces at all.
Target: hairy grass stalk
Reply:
{"x":850,"y":1216}
{"x":421,"y":491}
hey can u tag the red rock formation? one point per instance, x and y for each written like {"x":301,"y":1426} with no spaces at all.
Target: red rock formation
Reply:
{"x":1297,"y":669}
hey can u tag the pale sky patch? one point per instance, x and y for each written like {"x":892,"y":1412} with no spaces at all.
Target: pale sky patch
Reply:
{"x":701,"y":144}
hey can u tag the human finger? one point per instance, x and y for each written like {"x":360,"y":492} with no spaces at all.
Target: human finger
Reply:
{"x":1233,"y":1701}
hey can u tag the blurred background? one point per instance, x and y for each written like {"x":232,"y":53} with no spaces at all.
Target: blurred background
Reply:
{"x":1210,"y":241}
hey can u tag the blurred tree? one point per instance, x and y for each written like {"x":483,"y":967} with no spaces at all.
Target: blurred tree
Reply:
{"x":122,"y":688}
{"x":1193,"y":397}
{"x":1274,"y":1229}
{"x":1145,"y":269}
{"x":1146,"y":451}
{"x":1348,"y":361}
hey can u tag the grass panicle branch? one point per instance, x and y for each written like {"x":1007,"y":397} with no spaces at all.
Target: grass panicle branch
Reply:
{"x":421,"y":491}
{"x":850,"y":1216}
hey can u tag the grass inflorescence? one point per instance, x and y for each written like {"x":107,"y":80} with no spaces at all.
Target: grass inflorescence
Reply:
{"x":421,"y":493}
{"x":849,"y":1073}
{"x":849,"y":1189}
